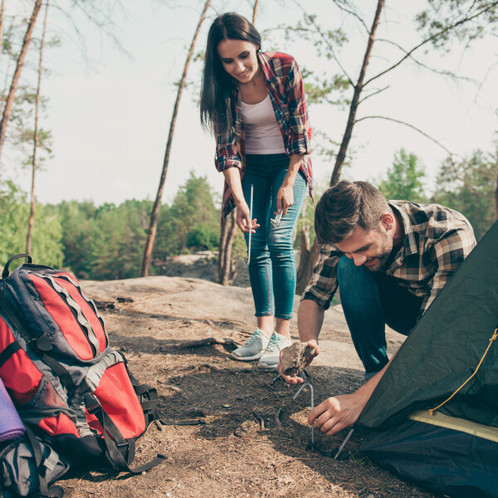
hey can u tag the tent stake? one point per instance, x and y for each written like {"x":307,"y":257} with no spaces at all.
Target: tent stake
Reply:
{"x":346,"y":439}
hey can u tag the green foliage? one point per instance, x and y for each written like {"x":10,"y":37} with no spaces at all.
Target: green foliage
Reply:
{"x":47,"y":233}
{"x":116,"y":252}
{"x":192,"y":222}
{"x":468,"y":186}
{"x":404,"y":179}
{"x":468,"y":20}
{"x":78,"y":231}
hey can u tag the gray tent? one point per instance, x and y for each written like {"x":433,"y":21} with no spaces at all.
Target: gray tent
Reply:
{"x":451,"y":358}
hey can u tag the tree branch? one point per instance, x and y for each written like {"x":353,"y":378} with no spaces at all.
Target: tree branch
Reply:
{"x":380,"y":90}
{"x":327,"y":41}
{"x":425,"y":66}
{"x":431,"y":38}
{"x":451,"y":154}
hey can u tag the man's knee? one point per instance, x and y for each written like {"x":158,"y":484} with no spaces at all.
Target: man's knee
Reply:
{"x":346,"y":269}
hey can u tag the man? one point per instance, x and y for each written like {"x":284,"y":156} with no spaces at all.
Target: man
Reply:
{"x":389,"y":260}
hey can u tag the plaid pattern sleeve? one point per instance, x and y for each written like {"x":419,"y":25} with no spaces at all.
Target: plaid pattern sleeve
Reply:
{"x":286,"y":90}
{"x":448,"y":254}
{"x":437,"y":240}
{"x":300,"y":131}
{"x":323,"y":283}
{"x":229,"y":149}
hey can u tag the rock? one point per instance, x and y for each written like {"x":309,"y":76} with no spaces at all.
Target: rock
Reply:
{"x":295,"y":358}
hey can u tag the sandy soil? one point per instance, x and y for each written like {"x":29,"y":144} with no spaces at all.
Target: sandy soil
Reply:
{"x":252,"y":437}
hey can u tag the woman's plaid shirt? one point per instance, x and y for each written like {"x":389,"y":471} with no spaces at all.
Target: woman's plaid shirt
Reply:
{"x":436,"y":241}
{"x":286,"y":90}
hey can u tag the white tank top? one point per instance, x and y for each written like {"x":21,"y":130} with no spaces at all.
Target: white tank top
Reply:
{"x":263,"y":135}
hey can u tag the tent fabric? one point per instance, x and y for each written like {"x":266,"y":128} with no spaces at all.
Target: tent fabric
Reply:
{"x":445,"y":451}
{"x":444,"y":349}
{"x":440,"y":459}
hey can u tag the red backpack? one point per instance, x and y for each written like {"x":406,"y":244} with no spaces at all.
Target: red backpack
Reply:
{"x":68,"y":385}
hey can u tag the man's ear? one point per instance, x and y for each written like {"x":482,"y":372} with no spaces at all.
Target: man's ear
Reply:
{"x":387,"y":220}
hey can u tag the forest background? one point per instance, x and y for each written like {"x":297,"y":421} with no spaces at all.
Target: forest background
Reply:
{"x":79,"y":167}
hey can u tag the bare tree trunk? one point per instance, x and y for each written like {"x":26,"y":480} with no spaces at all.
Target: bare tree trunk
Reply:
{"x":2,"y":11}
{"x":227,"y":267}
{"x":255,"y":11}
{"x":17,"y":73}
{"x":151,"y":237}
{"x":341,"y":155}
{"x":306,"y":267}
{"x":221,"y":250}
{"x":307,"y":262}
{"x":31,"y":219}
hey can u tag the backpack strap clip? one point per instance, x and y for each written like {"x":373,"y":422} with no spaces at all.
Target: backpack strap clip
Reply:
{"x":92,"y":404}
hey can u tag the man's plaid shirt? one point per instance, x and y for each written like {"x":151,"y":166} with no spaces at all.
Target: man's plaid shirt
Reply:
{"x":436,"y":241}
{"x":286,"y":90}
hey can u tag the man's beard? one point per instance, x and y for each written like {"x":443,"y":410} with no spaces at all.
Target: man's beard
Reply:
{"x":379,"y":262}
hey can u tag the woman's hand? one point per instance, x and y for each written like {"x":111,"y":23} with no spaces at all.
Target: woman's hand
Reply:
{"x":243,"y":218}
{"x":285,"y":198}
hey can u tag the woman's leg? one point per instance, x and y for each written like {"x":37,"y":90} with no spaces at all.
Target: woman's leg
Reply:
{"x":259,"y":264}
{"x":281,"y":247}
{"x":260,"y":274}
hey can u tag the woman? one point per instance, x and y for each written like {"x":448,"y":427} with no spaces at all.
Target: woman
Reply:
{"x":254,"y":103}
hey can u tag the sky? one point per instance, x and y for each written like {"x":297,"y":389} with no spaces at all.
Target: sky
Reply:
{"x":109,"y":109}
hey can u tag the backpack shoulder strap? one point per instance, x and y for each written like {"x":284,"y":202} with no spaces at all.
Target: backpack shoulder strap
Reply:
{"x":120,"y":451}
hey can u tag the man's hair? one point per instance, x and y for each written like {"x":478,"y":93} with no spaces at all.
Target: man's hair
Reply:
{"x":344,"y":207}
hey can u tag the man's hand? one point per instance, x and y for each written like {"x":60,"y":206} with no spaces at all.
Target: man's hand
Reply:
{"x":336,"y":413}
{"x":299,"y":380}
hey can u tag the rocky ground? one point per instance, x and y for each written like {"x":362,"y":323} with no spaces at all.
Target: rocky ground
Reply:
{"x":251,"y":437}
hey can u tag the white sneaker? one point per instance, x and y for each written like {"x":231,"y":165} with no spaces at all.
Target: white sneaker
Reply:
{"x":253,"y":348}
{"x":271,"y":357}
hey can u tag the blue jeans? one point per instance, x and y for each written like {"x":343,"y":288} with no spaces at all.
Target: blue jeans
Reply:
{"x":369,"y":301}
{"x":272,"y":268}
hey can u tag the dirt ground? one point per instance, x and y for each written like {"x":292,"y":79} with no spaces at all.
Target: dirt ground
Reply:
{"x":251,"y":437}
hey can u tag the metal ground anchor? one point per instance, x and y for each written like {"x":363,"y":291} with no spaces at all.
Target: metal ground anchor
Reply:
{"x":312,"y":403}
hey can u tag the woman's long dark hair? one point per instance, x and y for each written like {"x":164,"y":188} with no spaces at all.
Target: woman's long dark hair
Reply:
{"x":217,"y":84}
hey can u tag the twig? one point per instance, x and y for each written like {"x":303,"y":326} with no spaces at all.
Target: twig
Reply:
{"x":278,"y":423}
{"x":226,"y":342}
{"x":260,"y":419}
{"x":182,"y":422}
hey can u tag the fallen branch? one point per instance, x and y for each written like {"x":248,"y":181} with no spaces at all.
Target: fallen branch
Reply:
{"x":226,"y":343}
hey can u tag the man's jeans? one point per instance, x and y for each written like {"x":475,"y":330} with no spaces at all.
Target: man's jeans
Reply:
{"x":369,"y":301}
{"x":272,"y":269}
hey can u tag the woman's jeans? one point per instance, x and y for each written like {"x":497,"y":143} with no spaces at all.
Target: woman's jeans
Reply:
{"x":272,"y":268}
{"x":369,"y":301}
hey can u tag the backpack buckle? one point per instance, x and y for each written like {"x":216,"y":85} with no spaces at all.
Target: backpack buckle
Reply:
{"x":92,"y":403}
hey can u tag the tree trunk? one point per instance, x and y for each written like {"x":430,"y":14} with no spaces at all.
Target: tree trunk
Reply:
{"x":151,"y":237}
{"x":31,"y":219}
{"x":341,"y":156}
{"x":306,"y":267}
{"x":2,"y":12}
{"x":9,"y":102}
{"x":255,"y":11}
{"x":227,"y":269}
